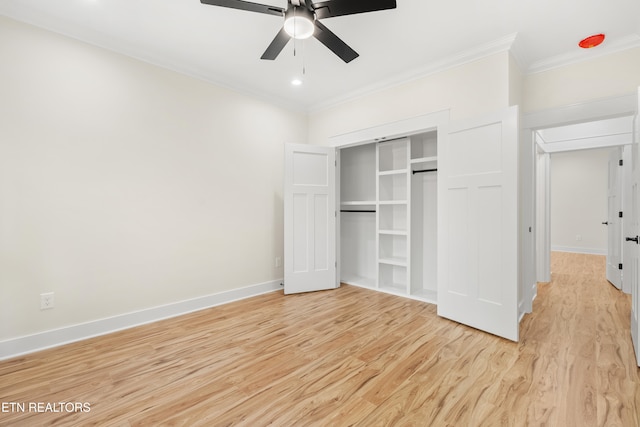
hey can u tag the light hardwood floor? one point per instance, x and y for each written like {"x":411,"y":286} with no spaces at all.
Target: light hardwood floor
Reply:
{"x":350,"y":357}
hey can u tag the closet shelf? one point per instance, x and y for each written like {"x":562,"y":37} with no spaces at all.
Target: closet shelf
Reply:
{"x":425,"y":159}
{"x":400,"y":262}
{"x":393,"y":202}
{"x":394,"y":232}
{"x":358,"y":203}
{"x":393,"y":172}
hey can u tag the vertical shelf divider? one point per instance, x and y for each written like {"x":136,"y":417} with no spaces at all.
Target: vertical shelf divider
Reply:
{"x":377,"y":284}
{"x":393,"y":216}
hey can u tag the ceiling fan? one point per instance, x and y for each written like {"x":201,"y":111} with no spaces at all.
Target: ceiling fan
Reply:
{"x":301,"y":20}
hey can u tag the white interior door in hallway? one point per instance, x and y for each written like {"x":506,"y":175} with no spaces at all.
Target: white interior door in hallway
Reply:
{"x":614,"y":218}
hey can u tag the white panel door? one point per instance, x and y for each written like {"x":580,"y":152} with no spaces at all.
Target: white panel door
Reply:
{"x":309,"y":218}
{"x":478,"y":240}
{"x":614,"y":222}
{"x":631,"y":241}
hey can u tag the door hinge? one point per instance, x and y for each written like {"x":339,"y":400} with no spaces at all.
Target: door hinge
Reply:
{"x":619,"y":214}
{"x":619,"y":266}
{"x":620,"y":162}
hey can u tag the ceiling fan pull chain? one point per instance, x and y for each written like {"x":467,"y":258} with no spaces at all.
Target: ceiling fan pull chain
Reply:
{"x":294,"y":32}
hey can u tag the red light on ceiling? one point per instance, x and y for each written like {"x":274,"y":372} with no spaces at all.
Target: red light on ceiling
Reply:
{"x":591,"y":41}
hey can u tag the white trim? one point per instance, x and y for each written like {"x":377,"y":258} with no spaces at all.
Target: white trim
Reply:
{"x":543,"y":217}
{"x":393,"y":130}
{"x":521,"y":311}
{"x":591,"y":251}
{"x":56,"y":337}
{"x":587,"y":143}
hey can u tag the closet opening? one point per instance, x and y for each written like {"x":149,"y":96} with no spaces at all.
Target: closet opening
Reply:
{"x":388,"y":215}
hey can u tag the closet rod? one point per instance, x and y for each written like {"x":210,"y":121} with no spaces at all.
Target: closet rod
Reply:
{"x":425,"y":170}
{"x":350,"y":210}
{"x":384,"y":139}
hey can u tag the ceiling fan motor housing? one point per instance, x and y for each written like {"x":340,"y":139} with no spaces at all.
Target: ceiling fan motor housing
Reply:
{"x":298,"y":22}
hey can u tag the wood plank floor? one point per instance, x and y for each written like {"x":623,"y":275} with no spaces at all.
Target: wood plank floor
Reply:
{"x":349,"y":357}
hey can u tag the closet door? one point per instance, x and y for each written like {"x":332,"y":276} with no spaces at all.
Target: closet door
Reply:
{"x":309,"y":218}
{"x":478,"y":244}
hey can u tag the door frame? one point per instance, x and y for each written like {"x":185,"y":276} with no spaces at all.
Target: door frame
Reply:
{"x":614,"y":234}
{"x":438,"y":120}
{"x":601,"y":109}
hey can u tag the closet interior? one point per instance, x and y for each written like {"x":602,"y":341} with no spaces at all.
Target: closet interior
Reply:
{"x":388,"y":216}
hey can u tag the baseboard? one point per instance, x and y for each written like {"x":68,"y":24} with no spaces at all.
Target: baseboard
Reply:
{"x":57,"y":337}
{"x":590,"y":251}
{"x":521,"y":304}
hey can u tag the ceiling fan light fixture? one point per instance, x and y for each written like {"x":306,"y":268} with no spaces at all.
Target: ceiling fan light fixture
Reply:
{"x":298,"y":23}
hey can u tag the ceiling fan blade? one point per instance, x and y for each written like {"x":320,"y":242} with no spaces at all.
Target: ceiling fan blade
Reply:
{"x":246,"y":5}
{"x":334,"y":43}
{"x":331,"y":8}
{"x":276,"y":46}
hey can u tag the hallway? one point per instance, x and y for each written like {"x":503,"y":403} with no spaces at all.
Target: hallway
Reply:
{"x":580,"y":324}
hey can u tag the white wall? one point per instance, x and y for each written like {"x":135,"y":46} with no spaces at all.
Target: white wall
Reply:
{"x":468,"y":90}
{"x":608,"y":76}
{"x":516,"y":83}
{"x":125,"y":186}
{"x":579,"y":200}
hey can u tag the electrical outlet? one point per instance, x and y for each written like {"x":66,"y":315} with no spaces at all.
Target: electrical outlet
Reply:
{"x":278,"y":262}
{"x":578,"y":237}
{"x":46,"y":301}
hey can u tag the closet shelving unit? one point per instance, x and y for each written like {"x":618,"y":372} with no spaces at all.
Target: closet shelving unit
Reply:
{"x":388,"y":216}
{"x":393,"y":217}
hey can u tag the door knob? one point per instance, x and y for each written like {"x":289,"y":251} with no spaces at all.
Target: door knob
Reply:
{"x":605,"y":223}
{"x":632,"y":239}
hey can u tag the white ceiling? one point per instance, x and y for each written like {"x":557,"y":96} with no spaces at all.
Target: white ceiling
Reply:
{"x":224,"y":45}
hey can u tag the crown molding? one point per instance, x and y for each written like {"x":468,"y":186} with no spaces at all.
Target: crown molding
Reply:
{"x":519,"y":53}
{"x":624,"y":43}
